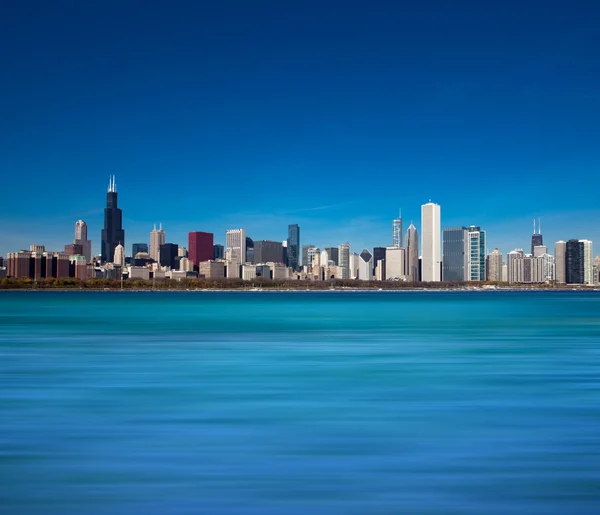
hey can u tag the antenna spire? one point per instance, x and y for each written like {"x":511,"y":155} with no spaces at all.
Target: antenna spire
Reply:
{"x":534,"y":226}
{"x":540,"y":225}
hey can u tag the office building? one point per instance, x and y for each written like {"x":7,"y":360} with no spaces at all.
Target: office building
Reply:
{"x":540,"y":250}
{"x":74,"y":249}
{"x":266,"y":251}
{"x":168,"y":255}
{"x":200,"y":247}
{"x":344,"y":265}
{"x":430,"y":235}
{"x":536,"y":237}
{"x":395,"y":263}
{"x":219,"y":251}
{"x":365,"y":266}
{"x":455,"y":254}
{"x":412,"y":254}
{"x":378,"y":255}
{"x":324,"y":259}
{"x":82,"y":239}
{"x":248,"y":272}
{"x":476,"y":242}
{"x":249,"y":250}
{"x":354,"y":264}
{"x":293,"y":246}
{"x":136,"y":248}
{"x":575,"y":262}
{"x":560,"y":262}
{"x":211,"y":269}
{"x":332,"y":252}
{"x":119,"y":257}
{"x":305,"y":259}
{"x":494,"y":266}
{"x":182,"y":252}
{"x":235,"y":253}
{"x":397,"y":231}
{"x":157,"y":238}
{"x":113,"y":233}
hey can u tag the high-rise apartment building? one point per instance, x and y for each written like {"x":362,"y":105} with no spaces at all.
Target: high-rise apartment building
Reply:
{"x":344,"y":264}
{"x":560,"y":262}
{"x":412,"y":253}
{"x":200,"y":247}
{"x":157,"y":238}
{"x":397,"y":231}
{"x":113,"y":233}
{"x":476,"y":242}
{"x":431,"y":238}
{"x":138,"y":247}
{"x":514,"y":261}
{"x":494,"y":266}
{"x":82,"y":239}
{"x":455,"y":250}
{"x":293,"y":246}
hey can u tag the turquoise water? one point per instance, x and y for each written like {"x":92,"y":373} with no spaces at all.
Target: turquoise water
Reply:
{"x":294,"y":403}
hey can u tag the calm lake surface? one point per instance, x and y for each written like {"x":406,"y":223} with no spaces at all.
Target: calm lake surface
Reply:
{"x":295,"y":403}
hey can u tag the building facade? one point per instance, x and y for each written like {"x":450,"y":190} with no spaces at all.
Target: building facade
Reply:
{"x":113,"y":233}
{"x":81,"y":238}
{"x":494,"y":266}
{"x":455,"y":254}
{"x":266,"y":251}
{"x":157,"y":238}
{"x":365,"y":266}
{"x":476,"y":242}
{"x":200,"y":247}
{"x":344,"y":265}
{"x":293,"y":246}
{"x":560,"y":262}
{"x":168,"y":255}
{"x":397,"y":231}
{"x":412,"y":254}
{"x":138,"y":247}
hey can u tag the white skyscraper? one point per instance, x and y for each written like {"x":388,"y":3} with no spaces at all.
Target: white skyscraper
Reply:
{"x":395,"y":263}
{"x":560,"y":258}
{"x":119,"y":258}
{"x":365,"y":266}
{"x":344,"y":261}
{"x":588,"y":262}
{"x":157,"y":238}
{"x":412,"y":253}
{"x":235,"y":251}
{"x":430,"y":247}
{"x":81,"y":239}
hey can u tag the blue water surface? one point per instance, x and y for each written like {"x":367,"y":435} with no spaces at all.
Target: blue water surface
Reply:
{"x":295,"y":403}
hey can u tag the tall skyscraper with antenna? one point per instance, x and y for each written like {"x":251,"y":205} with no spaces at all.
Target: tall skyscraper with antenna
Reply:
{"x":397,"y":231}
{"x":113,"y":232}
{"x":412,"y":253}
{"x":536,"y":237}
{"x":157,"y":238}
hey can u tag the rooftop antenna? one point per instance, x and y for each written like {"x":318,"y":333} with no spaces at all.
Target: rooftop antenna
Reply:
{"x":540,"y":225}
{"x":534,"y":226}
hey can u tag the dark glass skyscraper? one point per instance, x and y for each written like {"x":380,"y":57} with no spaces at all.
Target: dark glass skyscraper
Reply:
{"x":536,"y":237}
{"x":138,"y":247}
{"x":113,"y":232}
{"x":293,"y":246}
{"x":455,"y":257}
{"x":575,"y":262}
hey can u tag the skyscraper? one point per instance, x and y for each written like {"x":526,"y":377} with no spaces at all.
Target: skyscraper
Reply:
{"x":494,"y":266}
{"x":235,"y":251}
{"x":430,"y":235}
{"x":157,"y":238}
{"x":536,"y":237}
{"x":119,"y":257}
{"x":412,"y":253}
{"x":200,"y":247}
{"x":365,"y":266}
{"x":560,"y":262}
{"x":344,"y":264}
{"x":476,"y":254}
{"x":81,"y":239}
{"x":266,"y":251}
{"x":219,"y":251}
{"x":168,"y":254}
{"x":293,"y":246}
{"x":113,"y":232}
{"x":575,"y":262}
{"x":332,"y":252}
{"x":305,"y":248}
{"x":397,"y":231}
{"x":455,"y":252}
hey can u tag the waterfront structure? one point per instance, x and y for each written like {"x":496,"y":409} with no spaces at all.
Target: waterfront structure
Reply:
{"x":365,"y":266}
{"x":82,"y":239}
{"x":455,"y":248}
{"x":430,"y":235}
{"x":344,"y":264}
{"x":293,"y":246}
{"x":397,"y":231}
{"x":137,"y":248}
{"x":211,"y":269}
{"x":267,"y":250}
{"x":218,"y":251}
{"x":113,"y":232}
{"x":119,"y":257}
{"x":494,"y":266}
{"x":560,"y":262}
{"x":168,"y":255}
{"x":536,"y":237}
{"x":476,"y":241}
{"x":395,"y":263}
{"x":157,"y":238}
{"x":27,"y":264}
{"x":412,"y":253}
{"x":528,"y":269}
{"x":200,"y":247}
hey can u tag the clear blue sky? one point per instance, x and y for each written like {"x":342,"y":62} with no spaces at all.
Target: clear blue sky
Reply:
{"x":216,"y":115}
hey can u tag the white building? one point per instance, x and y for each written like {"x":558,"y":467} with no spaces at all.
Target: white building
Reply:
{"x":278,"y":271}
{"x":157,"y":238}
{"x":248,"y":272}
{"x":365,"y":266}
{"x":235,"y":251}
{"x":186,"y":265}
{"x":560,"y":262}
{"x":395,"y":263}
{"x":119,"y":258}
{"x":81,"y":239}
{"x":431,"y":237}
{"x":494,"y":265}
{"x":211,"y":269}
{"x":344,"y":261}
{"x":354,"y":262}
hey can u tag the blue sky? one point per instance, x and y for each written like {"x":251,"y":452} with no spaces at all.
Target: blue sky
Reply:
{"x":328,"y":114}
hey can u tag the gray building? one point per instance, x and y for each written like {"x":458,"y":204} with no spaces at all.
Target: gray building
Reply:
{"x":305,"y":260}
{"x":293,"y":246}
{"x":575,"y":262}
{"x":266,"y":251}
{"x":333,"y":254}
{"x":138,"y":247}
{"x":455,"y":256}
{"x":219,"y":251}
{"x":413,"y":263}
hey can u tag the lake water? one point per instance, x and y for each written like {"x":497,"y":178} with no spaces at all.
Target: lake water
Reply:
{"x":295,"y":403}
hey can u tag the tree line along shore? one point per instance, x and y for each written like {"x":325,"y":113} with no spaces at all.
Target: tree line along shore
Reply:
{"x":261,"y":283}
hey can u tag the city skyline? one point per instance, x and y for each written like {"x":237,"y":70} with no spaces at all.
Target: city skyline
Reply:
{"x":421,"y":102}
